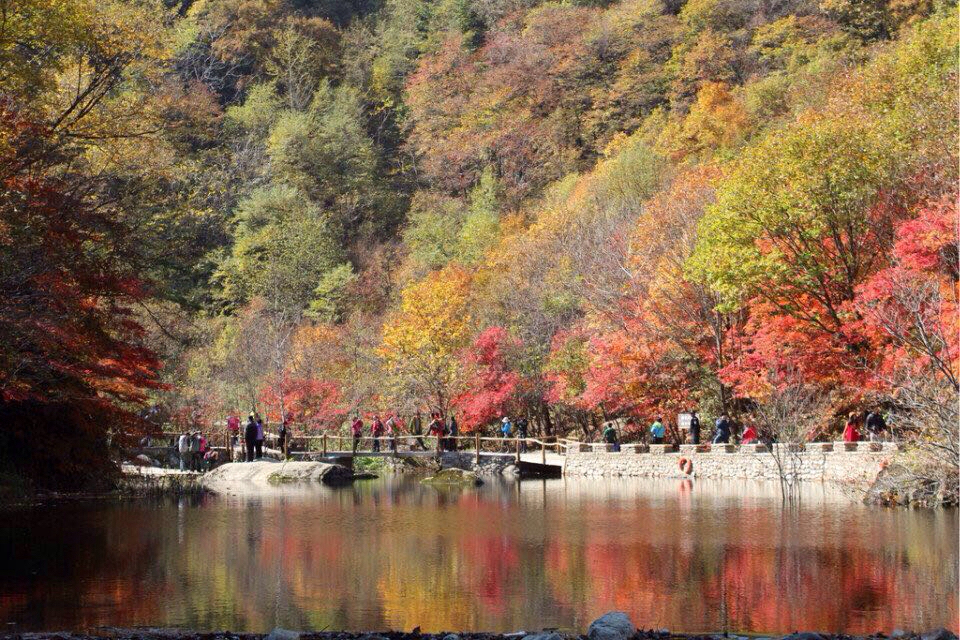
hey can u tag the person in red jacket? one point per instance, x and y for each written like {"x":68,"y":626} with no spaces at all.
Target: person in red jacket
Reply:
{"x":377,"y":432}
{"x":357,"y":429}
{"x":850,"y":431}
{"x":233,"y":426}
{"x":749,"y":435}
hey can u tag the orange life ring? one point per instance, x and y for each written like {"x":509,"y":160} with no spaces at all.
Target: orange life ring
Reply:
{"x":686,"y":466}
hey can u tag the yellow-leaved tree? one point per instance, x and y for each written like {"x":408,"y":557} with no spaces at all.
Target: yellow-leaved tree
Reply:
{"x":422,"y":340}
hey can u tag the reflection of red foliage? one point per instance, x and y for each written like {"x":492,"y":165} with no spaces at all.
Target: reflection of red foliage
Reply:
{"x":481,"y":561}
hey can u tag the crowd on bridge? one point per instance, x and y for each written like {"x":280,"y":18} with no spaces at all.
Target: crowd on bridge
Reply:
{"x":382,"y":434}
{"x":196,"y":453}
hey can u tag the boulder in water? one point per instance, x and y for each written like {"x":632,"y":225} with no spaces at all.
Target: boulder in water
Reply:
{"x":939,"y":634}
{"x":614,"y":625}
{"x":543,"y":635}
{"x":143,"y":460}
{"x":266,"y":473}
{"x":454,"y":477}
{"x":283,"y":634}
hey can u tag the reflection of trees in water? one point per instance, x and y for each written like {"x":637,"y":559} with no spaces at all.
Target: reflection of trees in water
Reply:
{"x":395,"y":554}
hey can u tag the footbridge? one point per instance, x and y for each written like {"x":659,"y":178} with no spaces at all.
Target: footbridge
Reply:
{"x":532,"y":456}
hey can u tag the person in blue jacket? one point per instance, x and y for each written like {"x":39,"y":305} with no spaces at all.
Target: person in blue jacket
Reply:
{"x":657,"y":431}
{"x":721,"y":434}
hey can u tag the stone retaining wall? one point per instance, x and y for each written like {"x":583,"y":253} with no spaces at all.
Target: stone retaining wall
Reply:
{"x":815,"y":462}
{"x":489,"y":464}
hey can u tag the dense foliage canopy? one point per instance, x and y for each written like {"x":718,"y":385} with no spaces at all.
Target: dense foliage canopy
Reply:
{"x":571,"y":210}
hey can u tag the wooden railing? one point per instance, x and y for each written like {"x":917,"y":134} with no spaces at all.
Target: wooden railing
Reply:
{"x":328,"y":443}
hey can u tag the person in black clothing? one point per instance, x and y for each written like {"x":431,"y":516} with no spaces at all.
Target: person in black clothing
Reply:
{"x":876,"y":425}
{"x":258,"y":443}
{"x":453,"y":430}
{"x":282,"y":438}
{"x":694,"y":427}
{"x":522,"y":426}
{"x":250,"y":438}
{"x":416,"y":428}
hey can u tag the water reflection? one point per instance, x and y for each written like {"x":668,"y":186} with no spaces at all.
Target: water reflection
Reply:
{"x":393,"y":554}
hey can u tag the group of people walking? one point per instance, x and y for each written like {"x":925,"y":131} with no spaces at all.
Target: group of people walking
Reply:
{"x":254,"y":435}
{"x":378,"y":431}
{"x":521,"y":427}
{"x":723,"y":430}
{"x":195,"y":452}
{"x":874,"y":422}
{"x":386,"y":432}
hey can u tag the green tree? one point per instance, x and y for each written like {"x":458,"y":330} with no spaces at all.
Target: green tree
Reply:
{"x":793,"y":222}
{"x":283,"y":248}
{"x":326,"y":153}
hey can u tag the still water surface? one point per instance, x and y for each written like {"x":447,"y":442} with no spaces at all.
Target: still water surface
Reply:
{"x":390,"y":553}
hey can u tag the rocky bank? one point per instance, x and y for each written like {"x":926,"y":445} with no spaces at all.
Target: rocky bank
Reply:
{"x":611,"y":626}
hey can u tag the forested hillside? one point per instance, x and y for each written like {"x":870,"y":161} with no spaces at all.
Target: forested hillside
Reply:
{"x":571,"y":210}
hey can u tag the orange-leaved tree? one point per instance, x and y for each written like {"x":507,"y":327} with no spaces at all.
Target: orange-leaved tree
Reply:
{"x":423,"y":338}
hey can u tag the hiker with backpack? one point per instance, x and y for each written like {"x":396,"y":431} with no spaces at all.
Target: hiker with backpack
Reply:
{"x":610,"y":436}
{"x":522,"y":426}
{"x":376,"y":430}
{"x":657,"y":431}
{"x":505,"y":430}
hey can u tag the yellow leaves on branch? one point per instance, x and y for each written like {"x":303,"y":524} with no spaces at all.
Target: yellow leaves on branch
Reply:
{"x":431,"y":326}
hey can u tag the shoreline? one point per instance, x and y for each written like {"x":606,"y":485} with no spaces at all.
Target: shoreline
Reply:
{"x":163,"y":633}
{"x":137,"y":482}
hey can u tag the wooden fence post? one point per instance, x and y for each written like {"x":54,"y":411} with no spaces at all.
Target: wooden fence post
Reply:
{"x":543,"y":452}
{"x":477,"y":436}
{"x":324,"y":445}
{"x":517,"y":442}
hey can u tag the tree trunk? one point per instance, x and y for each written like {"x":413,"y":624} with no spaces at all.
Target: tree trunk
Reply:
{"x":545,"y":417}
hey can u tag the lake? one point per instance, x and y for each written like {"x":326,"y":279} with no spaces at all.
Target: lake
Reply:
{"x":394,"y":554}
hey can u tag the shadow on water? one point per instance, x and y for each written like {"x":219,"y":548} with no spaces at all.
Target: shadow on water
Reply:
{"x":392,"y":553}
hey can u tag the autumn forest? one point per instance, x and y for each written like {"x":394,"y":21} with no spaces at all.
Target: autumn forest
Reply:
{"x":571,"y":210}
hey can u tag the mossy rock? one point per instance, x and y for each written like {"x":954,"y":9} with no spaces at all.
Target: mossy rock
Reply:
{"x":280,"y":478}
{"x":454,"y":477}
